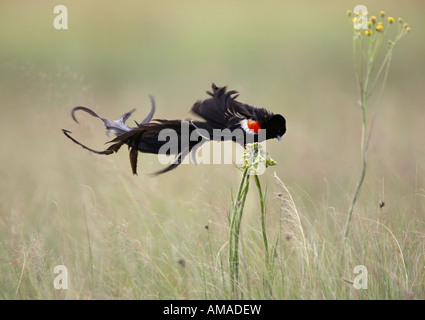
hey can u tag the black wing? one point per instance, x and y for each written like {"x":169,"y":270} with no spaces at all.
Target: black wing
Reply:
{"x":223,"y":111}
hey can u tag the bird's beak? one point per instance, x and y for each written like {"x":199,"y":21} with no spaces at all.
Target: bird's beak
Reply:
{"x":279,"y":138}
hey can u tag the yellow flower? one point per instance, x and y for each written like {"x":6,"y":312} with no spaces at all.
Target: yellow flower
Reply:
{"x":373,"y":18}
{"x":400,"y":20}
{"x":354,"y":20}
{"x":349,"y":12}
{"x":408,"y":29}
{"x":368,"y":32}
{"x":390,"y":20}
{"x":382,"y":13}
{"x":406,"y":25}
{"x":369,"y":24}
{"x":379,"y":27}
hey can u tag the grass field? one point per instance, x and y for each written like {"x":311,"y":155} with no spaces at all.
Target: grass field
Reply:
{"x":140,"y":237}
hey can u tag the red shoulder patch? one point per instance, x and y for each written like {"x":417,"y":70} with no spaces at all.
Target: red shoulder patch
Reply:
{"x":253,"y":126}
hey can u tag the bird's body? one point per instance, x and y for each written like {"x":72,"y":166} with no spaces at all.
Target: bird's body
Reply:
{"x":225,"y":119}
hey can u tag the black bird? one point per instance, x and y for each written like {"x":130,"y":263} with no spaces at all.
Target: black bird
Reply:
{"x":225,"y":119}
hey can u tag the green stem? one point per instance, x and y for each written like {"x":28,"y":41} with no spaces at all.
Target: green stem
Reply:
{"x":263,"y":220}
{"x":234,"y":232}
{"x":234,"y":212}
{"x":267,"y":257}
{"x":364,"y":97}
{"x":237,"y":233}
{"x":362,"y":176}
{"x":252,"y":157}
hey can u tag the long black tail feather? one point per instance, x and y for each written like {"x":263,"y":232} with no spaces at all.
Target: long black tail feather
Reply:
{"x":125,"y":134}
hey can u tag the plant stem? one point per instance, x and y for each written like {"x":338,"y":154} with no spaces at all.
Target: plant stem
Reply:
{"x":364,"y":86}
{"x":253,"y":156}
{"x":234,"y":232}
{"x":368,"y":57}
{"x":267,"y":257}
{"x":362,"y":175}
{"x":235,"y":228}
{"x":263,"y":220}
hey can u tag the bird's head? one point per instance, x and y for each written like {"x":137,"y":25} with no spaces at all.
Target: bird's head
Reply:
{"x":276,"y":127}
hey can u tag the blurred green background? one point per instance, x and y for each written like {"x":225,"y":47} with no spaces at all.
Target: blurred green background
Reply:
{"x":294,"y":58}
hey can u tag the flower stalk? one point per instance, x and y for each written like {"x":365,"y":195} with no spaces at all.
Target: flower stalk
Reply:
{"x":367,"y":44}
{"x":255,"y":159}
